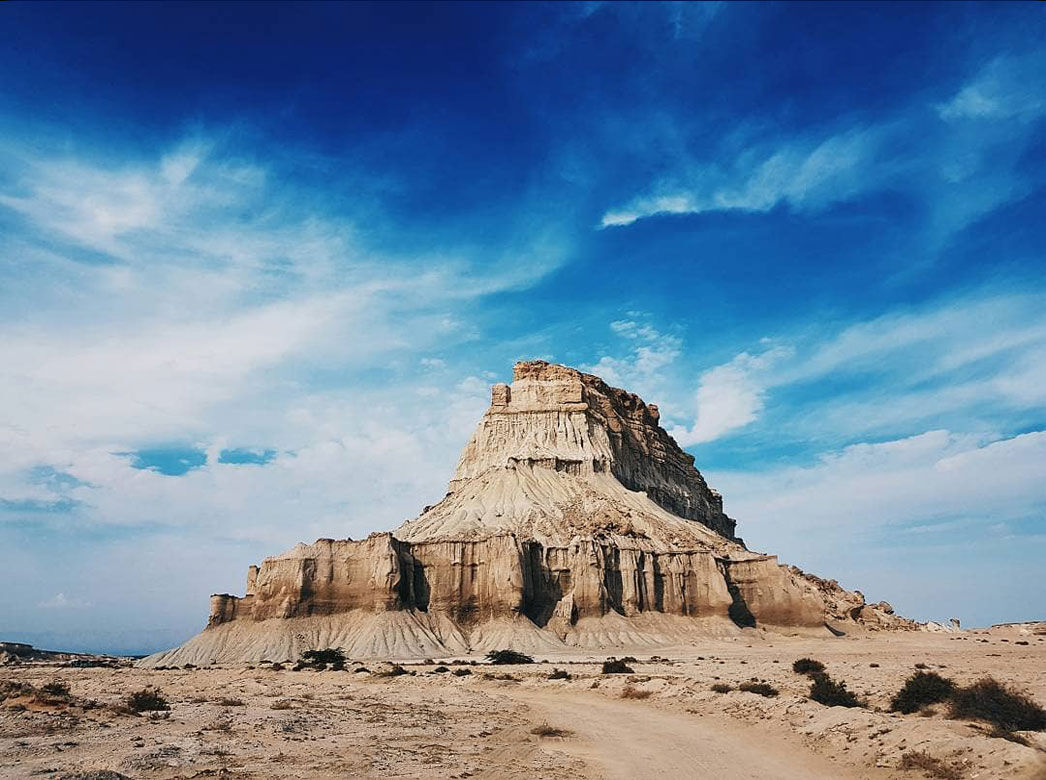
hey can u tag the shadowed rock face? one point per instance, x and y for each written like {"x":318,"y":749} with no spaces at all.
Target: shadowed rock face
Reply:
{"x":572,"y":519}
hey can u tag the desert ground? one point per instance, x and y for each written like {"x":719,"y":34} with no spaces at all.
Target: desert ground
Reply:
{"x":481,"y":721}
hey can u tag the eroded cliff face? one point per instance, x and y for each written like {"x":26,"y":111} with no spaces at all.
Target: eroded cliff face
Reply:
{"x":572,"y":520}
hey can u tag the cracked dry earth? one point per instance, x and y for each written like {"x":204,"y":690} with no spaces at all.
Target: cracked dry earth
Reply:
{"x":663,"y":721}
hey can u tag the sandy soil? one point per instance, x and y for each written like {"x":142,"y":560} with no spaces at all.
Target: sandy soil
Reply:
{"x":663,"y":721}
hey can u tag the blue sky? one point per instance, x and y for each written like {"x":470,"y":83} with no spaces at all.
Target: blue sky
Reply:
{"x":261,"y":262}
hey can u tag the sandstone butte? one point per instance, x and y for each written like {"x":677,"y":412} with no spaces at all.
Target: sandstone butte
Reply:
{"x":573,"y":522}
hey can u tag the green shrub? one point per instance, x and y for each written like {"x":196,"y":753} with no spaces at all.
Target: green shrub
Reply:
{"x":616,"y":666}
{"x":762,"y":688}
{"x":830,"y":693}
{"x":507,"y":657}
{"x":991,"y":701}
{"x":318,"y":659}
{"x":920,"y":689}
{"x":147,"y":700}
{"x":807,"y":666}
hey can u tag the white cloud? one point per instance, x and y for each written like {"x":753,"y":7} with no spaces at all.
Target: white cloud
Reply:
{"x":197,"y":299}
{"x":955,"y":359}
{"x":924,"y":521}
{"x":61,"y":601}
{"x":1008,"y":87}
{"x":647,"y":355}
{"x":934,"y":478}
{"x":807,"y":176}
{"x":956,"y":171}
{"x":730,"y":396}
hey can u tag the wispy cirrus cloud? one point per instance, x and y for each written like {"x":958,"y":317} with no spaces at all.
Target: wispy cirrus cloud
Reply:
{"x":928,"y":153}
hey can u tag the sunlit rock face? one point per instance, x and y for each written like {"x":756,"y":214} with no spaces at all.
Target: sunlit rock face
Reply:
{"x":572,"y":520}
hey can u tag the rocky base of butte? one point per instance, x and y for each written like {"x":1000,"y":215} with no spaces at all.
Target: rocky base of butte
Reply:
{"x":573,"y":520}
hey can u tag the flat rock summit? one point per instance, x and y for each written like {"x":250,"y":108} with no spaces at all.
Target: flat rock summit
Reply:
{"x":573,"y":521}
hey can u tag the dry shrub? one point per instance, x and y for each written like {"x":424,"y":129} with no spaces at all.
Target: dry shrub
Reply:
{"x":991,"y":701}
{"x":558,"y":674}
{"x":932,"y":767}
{"x":920,"y":689}
{"x":762,"y":688}
{"x":832,"y":693}
{"x":461,"y":672}
{"x":147,"y":700}
{"x":508,"y":657}
{"x":722,"y":688}
{"x":807,"y":666}
{"x":56,"y":688}
{"x":545,"y":730}
{"x":616,"y":666}
{"x":635,"y":693}
{"x":229,"y":702}
{"x":281,"y":704}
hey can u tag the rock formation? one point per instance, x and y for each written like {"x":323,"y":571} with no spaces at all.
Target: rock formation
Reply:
{"x":573,"y":520}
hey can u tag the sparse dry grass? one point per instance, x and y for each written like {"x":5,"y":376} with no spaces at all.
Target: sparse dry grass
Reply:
{"x":635,"y":693}
{"x":545,"y":730}
{"x":930,"y":766}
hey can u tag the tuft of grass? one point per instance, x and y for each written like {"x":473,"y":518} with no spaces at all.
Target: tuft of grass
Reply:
{"x":920,"y":689}
{"x":147,"y":700}
{"x":832,"y":693}
{"x":991,"y":701}
{"x":762,"y":688}
{"x":807,"y":666}
{"x":616,"y":666}
{"x":635,"y":693}
{"x":545,"y":730}
{"x":722,"y":688}
{"x":932,"y":767}
{"x":508,"y":657}
{"x":558,"y":674}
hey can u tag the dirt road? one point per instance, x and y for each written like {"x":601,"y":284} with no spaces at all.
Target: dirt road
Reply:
{"x":628,"y":739}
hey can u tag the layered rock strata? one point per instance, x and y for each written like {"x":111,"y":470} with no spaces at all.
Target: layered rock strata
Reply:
{"x":572,"y":520}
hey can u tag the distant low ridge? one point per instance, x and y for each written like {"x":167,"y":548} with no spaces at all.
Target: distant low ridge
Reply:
{"x":573,"y":520}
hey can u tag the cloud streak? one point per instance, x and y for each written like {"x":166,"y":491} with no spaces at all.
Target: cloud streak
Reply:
{"x":953,"y":172}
